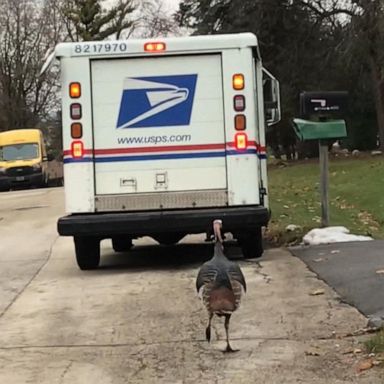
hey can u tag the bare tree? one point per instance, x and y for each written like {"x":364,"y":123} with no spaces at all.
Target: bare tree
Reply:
{"x":366,"y":28}
{"x":25,"y":36}
{"x":90,"y":20}
{"x":118,"y":19}
{"x":29,"y":27}
{"x":154,"y":20}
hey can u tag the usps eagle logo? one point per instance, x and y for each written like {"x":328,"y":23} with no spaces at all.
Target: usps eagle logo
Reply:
{"x":157,"y":101}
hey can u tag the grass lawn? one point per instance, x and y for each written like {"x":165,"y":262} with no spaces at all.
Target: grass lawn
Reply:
{"x":356,"y":197}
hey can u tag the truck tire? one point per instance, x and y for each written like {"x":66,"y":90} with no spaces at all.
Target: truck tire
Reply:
{"x":121,"y":243}
{"x":87,"y":251}
{"x":251,"y":244}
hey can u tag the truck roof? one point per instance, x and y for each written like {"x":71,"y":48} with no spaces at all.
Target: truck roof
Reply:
{"x":19,"y":136}
{"x":172,"y":44}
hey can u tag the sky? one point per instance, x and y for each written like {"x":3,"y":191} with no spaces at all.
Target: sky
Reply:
{"x":172,"y":4}
{"x":168,"y":7}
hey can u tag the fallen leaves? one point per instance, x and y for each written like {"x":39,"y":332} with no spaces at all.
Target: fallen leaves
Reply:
{"x":317,"y":292}
{"x":363,"y":365}
{"x":361,"y":331}
{"x":292,"y":228}
{"x":353,"y":351}
{"x":368,"y":363}
{"x":368,"y":219}
{"x":317,"y":219}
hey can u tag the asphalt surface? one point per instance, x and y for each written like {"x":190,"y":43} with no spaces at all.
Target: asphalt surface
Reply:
{"x":355,"y":270}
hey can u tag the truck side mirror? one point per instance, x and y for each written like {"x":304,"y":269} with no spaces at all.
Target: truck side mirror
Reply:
{"x":271,"y":93}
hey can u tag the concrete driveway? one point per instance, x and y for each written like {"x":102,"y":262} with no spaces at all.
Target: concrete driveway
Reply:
{"x":137,"y":319}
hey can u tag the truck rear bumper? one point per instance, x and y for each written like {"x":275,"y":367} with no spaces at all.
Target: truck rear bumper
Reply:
{"x":155,"y":222}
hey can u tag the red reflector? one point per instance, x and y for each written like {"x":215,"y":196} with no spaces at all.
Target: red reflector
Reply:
{"x":154,"y":47}
{"x":239,"y":103}
{"x":76,"y":130}
{"x":77,"y":149}
{"x":240,"y":122}
{"x":75,"y":111}
{"x":241,"y":141}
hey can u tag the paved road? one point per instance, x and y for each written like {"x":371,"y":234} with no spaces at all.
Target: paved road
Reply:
{"x":137,"y":319}
{"x":27,"y":234}
{"x":355,"y":270}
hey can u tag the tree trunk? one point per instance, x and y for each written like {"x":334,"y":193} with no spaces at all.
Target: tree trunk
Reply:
{"x":378,"y":87}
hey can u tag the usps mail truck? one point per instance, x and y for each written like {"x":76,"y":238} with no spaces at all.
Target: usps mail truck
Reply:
{"x":162,"y":137}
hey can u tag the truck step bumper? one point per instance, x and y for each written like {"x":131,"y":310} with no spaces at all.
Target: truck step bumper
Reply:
{"x":154,"y":222}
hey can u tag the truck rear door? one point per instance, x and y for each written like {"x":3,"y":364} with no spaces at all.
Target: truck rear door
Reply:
{"x":158,"y":124}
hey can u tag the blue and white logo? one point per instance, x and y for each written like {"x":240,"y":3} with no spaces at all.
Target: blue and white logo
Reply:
{"x":157,"y":101}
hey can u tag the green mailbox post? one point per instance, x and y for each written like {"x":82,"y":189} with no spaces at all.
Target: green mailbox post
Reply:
{"x":320,"y":110}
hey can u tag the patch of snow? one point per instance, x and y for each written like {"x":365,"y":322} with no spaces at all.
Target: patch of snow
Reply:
{"x":330,"y":235}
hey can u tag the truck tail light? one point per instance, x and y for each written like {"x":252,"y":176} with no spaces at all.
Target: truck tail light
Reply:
{"x":240,"y":122}
{"x":76,"y":111}
{"x":74,"y":90}
{"x":239,"y":103}
{"x":238,"y":81}
{"x":77,"y":149}
{"x":241,"y":141}
{"x":76,"y":130}
{"x":154,"y":47}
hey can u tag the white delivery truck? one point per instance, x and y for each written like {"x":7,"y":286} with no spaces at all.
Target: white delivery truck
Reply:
{"x":162,"y":137}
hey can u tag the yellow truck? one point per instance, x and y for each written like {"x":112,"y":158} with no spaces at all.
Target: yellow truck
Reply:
{"x":23,"y":159}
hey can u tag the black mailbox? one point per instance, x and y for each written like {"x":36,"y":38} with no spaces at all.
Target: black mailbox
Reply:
{"x":332,"y":104}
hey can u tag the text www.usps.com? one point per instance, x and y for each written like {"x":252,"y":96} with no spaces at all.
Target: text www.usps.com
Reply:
{"x":155,"y":140}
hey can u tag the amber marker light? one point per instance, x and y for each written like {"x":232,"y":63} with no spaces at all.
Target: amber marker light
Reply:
{"x":238,"y":81}
{"x":154,"y":47}
{"x":74,"y":90}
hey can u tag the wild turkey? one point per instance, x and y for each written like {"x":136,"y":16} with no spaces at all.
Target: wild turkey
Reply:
{"x":220,"y":283}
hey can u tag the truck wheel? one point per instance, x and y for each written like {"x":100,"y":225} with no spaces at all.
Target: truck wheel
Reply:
{"x":169,"y":238}
{"x":121,"y":243}
{"x":87,"y":252}
{"x":251,"y":244}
